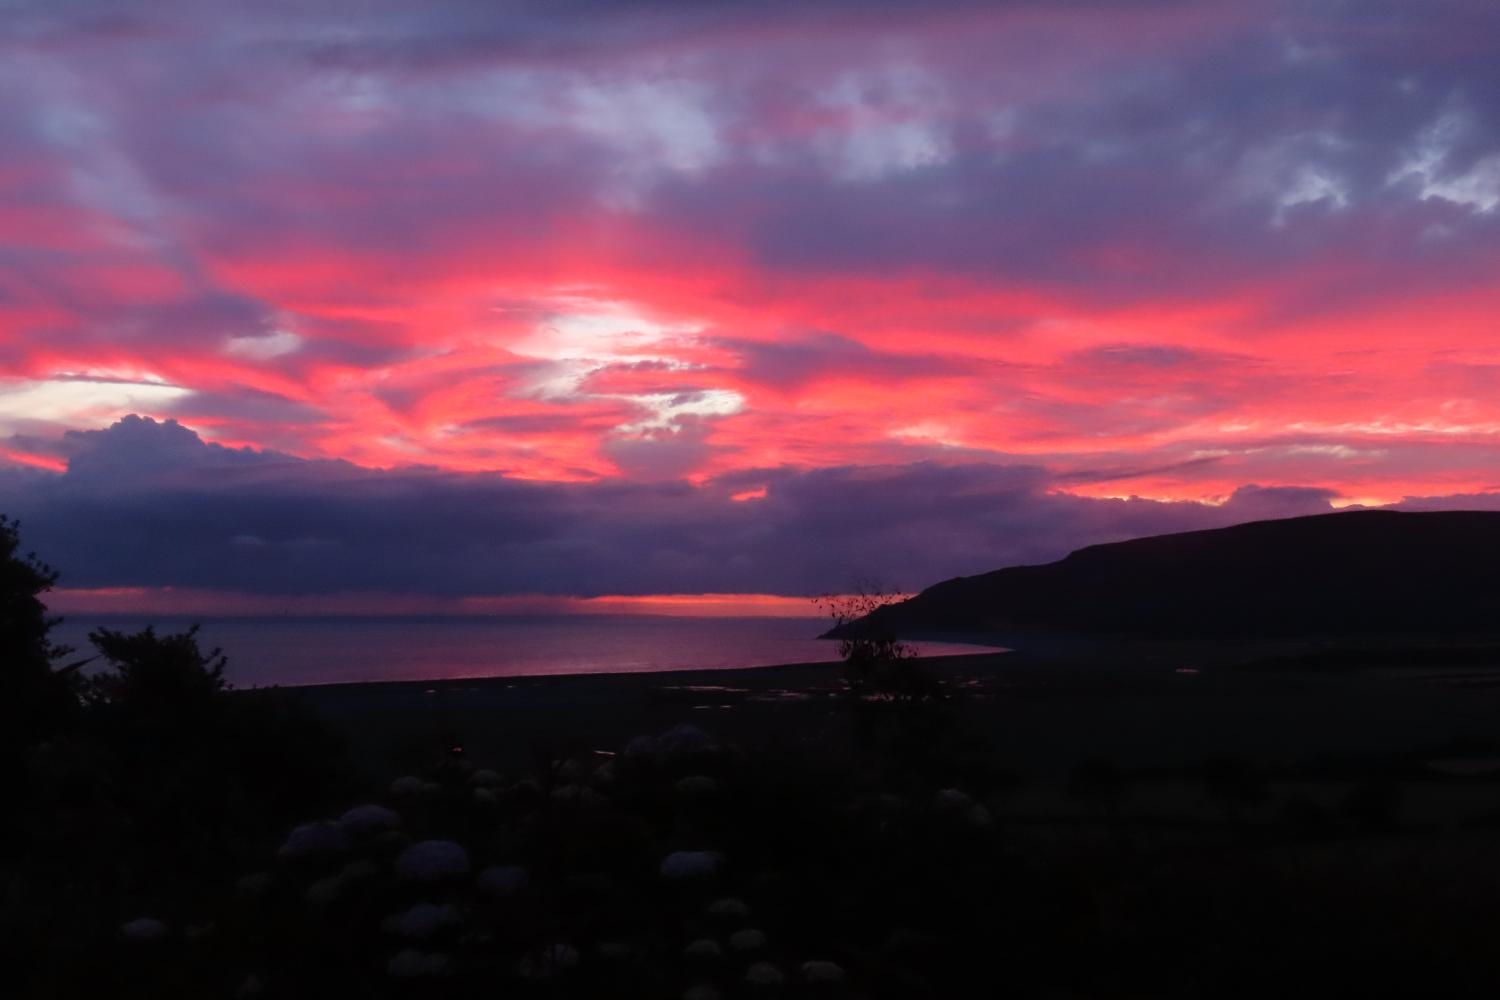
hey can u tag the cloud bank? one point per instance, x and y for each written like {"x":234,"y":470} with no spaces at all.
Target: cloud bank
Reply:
{"x":148,"y":504}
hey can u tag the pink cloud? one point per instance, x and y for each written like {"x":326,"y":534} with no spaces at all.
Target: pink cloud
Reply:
{"x":621,"y":249}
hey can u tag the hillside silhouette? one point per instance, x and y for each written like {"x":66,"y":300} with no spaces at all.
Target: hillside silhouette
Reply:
{"x":1354,"y":573}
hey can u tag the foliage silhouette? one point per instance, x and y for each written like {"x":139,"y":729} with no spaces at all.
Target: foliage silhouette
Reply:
{"x":877,"y":664}
{"x":36,"y":698}
{"x":183,"y":780}
{"x":143,"y":787}
{"x":156,"y":673}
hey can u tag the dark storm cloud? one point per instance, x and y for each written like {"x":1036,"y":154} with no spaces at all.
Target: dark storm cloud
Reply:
{"x":1273,"y":142}
{"x":149,"y":504}
{"x":1282,"y":144}
{"x":246,"y":406}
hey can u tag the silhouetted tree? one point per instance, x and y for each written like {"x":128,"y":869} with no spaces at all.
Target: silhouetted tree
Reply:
{"x":152,"y":673}
{"x":191,"y":774}
{"x":899,"y":713}
{"x":35,"y":696}
{"x":877,"y":663}
{"x":140,"y":789}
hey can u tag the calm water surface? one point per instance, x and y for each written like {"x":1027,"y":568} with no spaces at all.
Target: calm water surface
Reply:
{"x":291,"y":651}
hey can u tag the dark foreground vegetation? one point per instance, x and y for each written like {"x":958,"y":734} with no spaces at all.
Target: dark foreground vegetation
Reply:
{"x":980,"y":827}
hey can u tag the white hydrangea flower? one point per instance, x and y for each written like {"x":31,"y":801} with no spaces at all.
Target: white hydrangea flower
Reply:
{"x":407,"y":787}
{"x":252,"y":886}
{"x":697,"y":786}
{"x":412,"y":964}
{"x":691,"y":864}
{"x":729,"y":908}
{"x":822,"y":972}
{"x":764,"y":975}
{"x":367,"y":820}
{"x":577,"y":795}
{"x":953,"y":799}
{"x":425,"y":920}
{"x":432,"y":861}
{"x":502,"y":880}
{"x":324,"y":891}
{"x":960,"y":803}
{"x":677,"y":743}
{"x":143,"y":930}
{"x":313,"y":840}
{"x":748,"y":939}
{"x":553,"y":960}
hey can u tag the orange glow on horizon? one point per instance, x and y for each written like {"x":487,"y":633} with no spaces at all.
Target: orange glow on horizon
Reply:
{"x":179,"y":602}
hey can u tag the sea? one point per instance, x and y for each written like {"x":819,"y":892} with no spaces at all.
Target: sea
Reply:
{"x":290,"y":651}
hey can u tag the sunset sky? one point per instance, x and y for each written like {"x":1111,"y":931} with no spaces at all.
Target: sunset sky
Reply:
{"x":464,"y":299}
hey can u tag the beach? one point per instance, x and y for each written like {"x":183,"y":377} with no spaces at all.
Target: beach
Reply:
{"x":1160,"y":708}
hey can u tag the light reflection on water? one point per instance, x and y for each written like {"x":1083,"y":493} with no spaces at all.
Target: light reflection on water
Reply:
{"x":292,"y":651}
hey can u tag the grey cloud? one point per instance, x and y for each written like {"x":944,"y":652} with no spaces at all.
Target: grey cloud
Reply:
{"x":667,"y":453}
{"x":786,"y":364}
{"x":1459,"y":501}
{"x":271,"y":411}
{"x":1257,"y":503}
{"x":149,"y":504}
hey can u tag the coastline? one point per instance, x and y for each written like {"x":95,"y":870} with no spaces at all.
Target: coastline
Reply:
{"x":314,"y":651}
{"x":806,"y":670}
{"x":1042,"y":711}
{"x":395,"y":725}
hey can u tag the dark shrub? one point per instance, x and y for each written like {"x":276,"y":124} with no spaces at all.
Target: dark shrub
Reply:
{"x":35,"y":698}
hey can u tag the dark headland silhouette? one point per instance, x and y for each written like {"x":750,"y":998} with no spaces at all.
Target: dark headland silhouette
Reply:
{"x":1348,"y":574}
